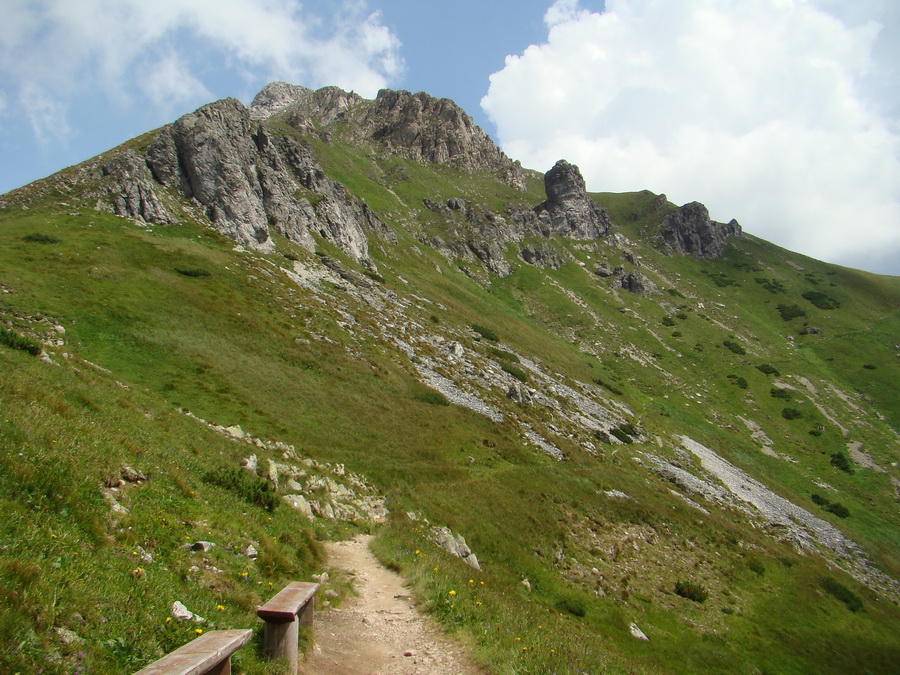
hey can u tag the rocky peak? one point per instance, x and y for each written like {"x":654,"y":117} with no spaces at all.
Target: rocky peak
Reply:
{"x":568,"y":209}
{"x":425,"y":128}
{"x":690,"y":231}
{"x":275,"y":97}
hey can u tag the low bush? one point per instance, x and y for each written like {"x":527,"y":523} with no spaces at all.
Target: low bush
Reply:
{"x":756,"y":567}
{"x":840,"y":461}
{"x":38,"y":238}
{"x":504,"y":355}
{"x":767,"y":369}
{"x":789,"y":312}
{"x":842,"y":593}
{"x":791,"y":414}
{"x":691,"y":591}
{"x":739,"y":381}
{"x":21,"y":342}
{"x":838,"y":509}
{"x":778,"y":392}
{"x":486,"y":333}
{"x":572,"y":605}
{"x":734,"y":347}
{"x":432,"y":397}
{"x":245,"y":485}
{"x":515,"y":371}
{"x":193,"y":272}
{"x":668,"y":321}
{"x":611,"y":388}
{"x":869,"y":366}
{"x":821,"y":300}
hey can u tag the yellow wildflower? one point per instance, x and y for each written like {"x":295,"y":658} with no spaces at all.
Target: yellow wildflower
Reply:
{"x":452,"y":592}
{"x":198,"y":631}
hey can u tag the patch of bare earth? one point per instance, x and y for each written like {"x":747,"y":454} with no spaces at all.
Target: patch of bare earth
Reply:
{"x":379,"y":632}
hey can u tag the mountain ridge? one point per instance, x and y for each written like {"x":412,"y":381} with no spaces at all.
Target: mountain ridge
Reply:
{"x":631,"y":414}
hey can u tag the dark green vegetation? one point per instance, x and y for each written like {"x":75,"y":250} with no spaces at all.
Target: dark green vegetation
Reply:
{"x":176,"y":319}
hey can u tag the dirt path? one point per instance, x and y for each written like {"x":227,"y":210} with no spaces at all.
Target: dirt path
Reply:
{"x":380,"y":632}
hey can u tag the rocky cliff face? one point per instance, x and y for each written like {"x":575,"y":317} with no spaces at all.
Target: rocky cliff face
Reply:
{"x":690,"y":231}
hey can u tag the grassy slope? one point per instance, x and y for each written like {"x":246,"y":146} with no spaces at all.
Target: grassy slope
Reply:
{"x":225,"y":346}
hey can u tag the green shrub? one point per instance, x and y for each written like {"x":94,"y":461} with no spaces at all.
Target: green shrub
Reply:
{"x":739,"y":381}
{"x":842,"y":593}
{"x":756,"y":567}
{"x":778,"y":392}
{"x":245,"y":485}
{"x":486,"y":333}
{"x":840,"y":461}
{"x":691,"y":591}
{"x":21,"y":342}
{"x":734,"y":347}
{"x":515,"y":371}
{"x":815,"y":432}
{"x":838,"y":509}
{"x":767,"y":369}
{"x":621,"y":435}
{"x":821,"y":300}
{"x":791,"y":414}
{"x":611,"y":388}
{"x":668,"y":321}
{"x":432,"y":397}
{"x":573,"y":605}
{"x":676,"y":333}
{"x":682,"y":316}
{"x":819,"y":500}
{"x":771,"y":285}
{"x":869,"y":366}
{"x":193,"y":272}
{"x":291,"y":257}
{"x":789,"y":312}
{"x":38,"y":238}
{"x":504,"y":355}
{"x":674,"y":292}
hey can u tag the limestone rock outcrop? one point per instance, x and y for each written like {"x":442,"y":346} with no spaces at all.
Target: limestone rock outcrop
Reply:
{"x":569,"y":211}
{"x":249,"y":181}
{"x":690,"y":231}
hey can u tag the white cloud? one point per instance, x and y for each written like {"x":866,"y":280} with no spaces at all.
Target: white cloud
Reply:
{"x":762,"y":109}
{"x":167,"y":52}
{"x":46,"y":115}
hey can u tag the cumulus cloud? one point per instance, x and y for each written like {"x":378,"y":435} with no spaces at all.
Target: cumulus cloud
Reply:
{"x":765,"y":110}
{"x":167,"y":52}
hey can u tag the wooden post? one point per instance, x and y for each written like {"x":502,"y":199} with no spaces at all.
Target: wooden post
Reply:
{"x":283,"y":614}
{"x":280,"y":641}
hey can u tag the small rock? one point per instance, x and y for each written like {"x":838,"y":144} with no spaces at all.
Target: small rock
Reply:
{"x":331,"y":593}
{"x":409,"y":652}
{"x":321,"y":578}
{"x":204,"y":546}
{"x":68,"y":637}
{"x":129,"y":475}
{"x":250,"y":551}
{"x":182,"y":613}
{"x":637,"y":632}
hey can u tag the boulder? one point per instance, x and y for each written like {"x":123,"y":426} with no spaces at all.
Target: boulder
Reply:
{"x":455,"y":545}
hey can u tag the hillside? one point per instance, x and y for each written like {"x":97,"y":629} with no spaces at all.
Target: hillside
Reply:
{"x":264,"y":328}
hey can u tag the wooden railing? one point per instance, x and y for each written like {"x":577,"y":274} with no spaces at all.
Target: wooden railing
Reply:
{"x":210,"y":654}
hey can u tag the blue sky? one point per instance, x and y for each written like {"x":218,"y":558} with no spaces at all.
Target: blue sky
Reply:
{"x":784,"y":114}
